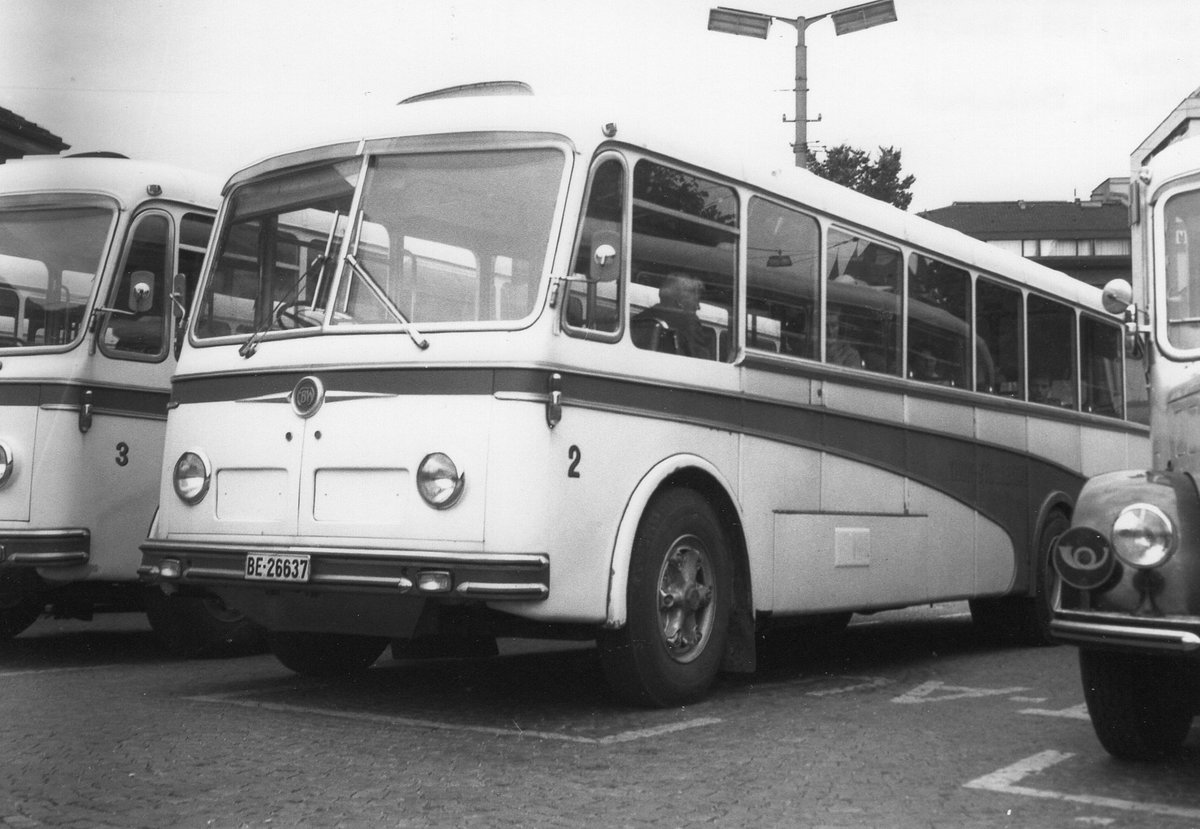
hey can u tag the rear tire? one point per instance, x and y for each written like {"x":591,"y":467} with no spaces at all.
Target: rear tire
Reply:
{"x":679,"y":597}
{"x":325,"y":654}
{"x":1025,"y":620}
{"x":201,"y":626}
{"x":1141,"y":706}
{"x":21,"y":601}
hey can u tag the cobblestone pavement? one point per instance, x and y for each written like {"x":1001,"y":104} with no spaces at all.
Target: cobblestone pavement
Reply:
{"x":908,"y":720}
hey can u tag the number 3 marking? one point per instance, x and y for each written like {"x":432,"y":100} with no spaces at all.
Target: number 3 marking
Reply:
{"x":576,"y":455}
{"x":122,"y":454}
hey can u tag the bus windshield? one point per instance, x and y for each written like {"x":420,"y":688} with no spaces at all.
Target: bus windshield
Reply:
{"x":50,"y":254}
{"x":1182,"y":223}
{"x":435,"y":239}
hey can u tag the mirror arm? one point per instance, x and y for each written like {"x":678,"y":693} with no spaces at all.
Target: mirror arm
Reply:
{"x":557,"y":282}
{"x":93,"y":325}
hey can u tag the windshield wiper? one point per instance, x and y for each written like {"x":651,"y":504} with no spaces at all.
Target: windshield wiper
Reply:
{"x":250,"y":346}
{"x":418,"y":339}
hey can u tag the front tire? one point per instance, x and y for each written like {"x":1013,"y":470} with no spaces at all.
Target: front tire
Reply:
{"x":21,"y":601}
{"x":201,"y":626}
{"x":679,"y":598}
{"x":325,"y":654}
{"x":1141,"y":706}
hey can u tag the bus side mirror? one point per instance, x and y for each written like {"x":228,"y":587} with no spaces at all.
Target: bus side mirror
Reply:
{"x":1117,"y":297}
{"x":606,"y":262}
{"x":141,"y":291}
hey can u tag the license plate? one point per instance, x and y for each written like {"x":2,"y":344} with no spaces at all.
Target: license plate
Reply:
{"x":277,"y":567}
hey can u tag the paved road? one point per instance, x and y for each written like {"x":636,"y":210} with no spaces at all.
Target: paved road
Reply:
{"x":909,"y":720}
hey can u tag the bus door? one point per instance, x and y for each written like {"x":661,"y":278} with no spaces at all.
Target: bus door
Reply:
{"x":123,"y":402}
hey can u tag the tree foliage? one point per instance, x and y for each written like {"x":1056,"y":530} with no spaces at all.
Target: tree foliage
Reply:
{"x":853,"y":168}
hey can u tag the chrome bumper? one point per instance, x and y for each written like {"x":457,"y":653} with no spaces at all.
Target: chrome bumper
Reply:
{"x":1126,"y":637}
{"x":45,"y":548}
{"x":512,"y":576}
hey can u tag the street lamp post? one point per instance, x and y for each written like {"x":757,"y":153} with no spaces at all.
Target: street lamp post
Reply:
{"x":845,"y":20}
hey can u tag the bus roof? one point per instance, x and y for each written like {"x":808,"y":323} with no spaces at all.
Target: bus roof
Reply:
{"x":124,"y":179}
{"x":1179,"y":159}
{"x":587,"y":126}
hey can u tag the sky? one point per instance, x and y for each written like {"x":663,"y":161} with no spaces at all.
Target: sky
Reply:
{"x":987,"y":100}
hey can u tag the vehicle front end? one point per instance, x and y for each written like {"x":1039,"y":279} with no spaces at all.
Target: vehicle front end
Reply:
{"x":1130,"y":563}
{"x":358,"y":430}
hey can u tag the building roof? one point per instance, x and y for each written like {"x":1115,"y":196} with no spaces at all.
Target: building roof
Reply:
{"x":19,"y":137}
{"x":1035,"y":219}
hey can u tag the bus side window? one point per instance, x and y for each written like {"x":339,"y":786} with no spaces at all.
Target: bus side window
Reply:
{"x":1051,"y":336}
{"x":194,"y":230}
{"x":938,"y":322}
{"x":998,"y":341}
{"x":140,"y":295}
{"x":863,"y":294}
{"x":684,"y":254}
{"x":781,"y":277}
{"x":592,"y":305}
{"x":10,"y":317}
{"x":1101,"y":347}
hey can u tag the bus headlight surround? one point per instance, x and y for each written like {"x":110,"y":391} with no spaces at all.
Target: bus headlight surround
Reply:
{"x":439,"y":481}
{"x":191,"y":477}
{"x":1143,"y":536}
{"x":8,"y":462}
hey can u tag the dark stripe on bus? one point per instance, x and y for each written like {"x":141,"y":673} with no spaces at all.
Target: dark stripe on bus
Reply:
{"x":110,"y":399}
{"x":1003,"y":483}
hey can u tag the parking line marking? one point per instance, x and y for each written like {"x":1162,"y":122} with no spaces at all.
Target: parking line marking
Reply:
{"x":7,"y":674}
{"x":1075,"y":712}
{"x":936,"y":691}
{"x":387,"y":719}
{"x":1004,"y":781}
{"x":862,"y":683}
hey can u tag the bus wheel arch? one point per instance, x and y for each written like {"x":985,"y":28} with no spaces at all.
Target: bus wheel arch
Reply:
{"x":695,"y":475}
{"x":1024,"y":616}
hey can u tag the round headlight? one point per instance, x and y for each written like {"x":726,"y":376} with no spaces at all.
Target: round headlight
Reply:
{"x":191,"y":477}
{"x":7,"y":463}
{"x":1143,"y":536}
{"x":439,"y":481}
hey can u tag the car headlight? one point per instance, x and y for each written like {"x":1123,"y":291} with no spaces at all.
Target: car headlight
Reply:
{"x":439,"y":481}
{"x":1143,"y":536}
{"x":8,"y":463}
{"x":191,"y":477}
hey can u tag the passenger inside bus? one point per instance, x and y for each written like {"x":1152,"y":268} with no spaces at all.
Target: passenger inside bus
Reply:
{"x":1043,"y":389}
{"x":673,"y":324}
{"x":837,"y":350}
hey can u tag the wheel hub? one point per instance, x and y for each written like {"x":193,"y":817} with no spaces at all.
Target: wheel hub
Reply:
{"x":685,"y":598}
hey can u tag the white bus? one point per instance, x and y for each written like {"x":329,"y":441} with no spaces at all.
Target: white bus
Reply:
{"x":89,"y":250}
{"x":454,"y":405}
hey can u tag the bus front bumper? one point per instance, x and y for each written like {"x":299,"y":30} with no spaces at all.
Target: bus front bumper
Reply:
{"x":498,"y":577}
{"x":1126,"y":634}
{"x":67,"y":547}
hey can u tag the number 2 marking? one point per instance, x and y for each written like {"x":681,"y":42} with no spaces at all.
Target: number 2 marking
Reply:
{"x":122,"y":453}
{"x":576,"y":455}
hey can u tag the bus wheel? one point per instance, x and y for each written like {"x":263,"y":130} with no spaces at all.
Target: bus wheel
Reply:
{"x":20,"y":601}
{"x":1141,"y":706}
{"x":201,"y":626}
{"x":325,"y":654}
{"x":679,"y":600}
{"x":1025,"y":620}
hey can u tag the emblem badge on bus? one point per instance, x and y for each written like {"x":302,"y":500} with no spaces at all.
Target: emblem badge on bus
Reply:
{"x":307,"y":396}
